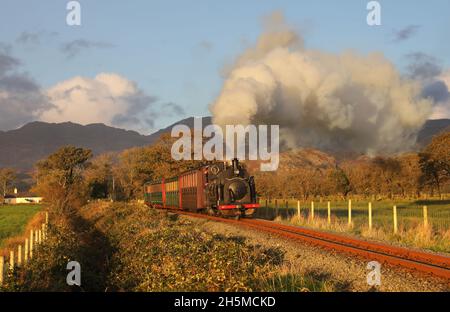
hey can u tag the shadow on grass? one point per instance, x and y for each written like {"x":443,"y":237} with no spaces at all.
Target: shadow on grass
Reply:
{"x":432,"y":202}
{"x":94,"y":253}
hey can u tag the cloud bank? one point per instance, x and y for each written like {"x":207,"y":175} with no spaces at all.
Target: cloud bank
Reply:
{"x":345,"y":101}
{"x":107,"y":98}
{"x":435,"y":82}
{"x":21,"y":98}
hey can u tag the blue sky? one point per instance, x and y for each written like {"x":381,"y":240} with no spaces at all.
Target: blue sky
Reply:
{"x":175,"y":50}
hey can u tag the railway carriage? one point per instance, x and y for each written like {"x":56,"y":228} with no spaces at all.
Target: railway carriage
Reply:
{"x":218,"y":189}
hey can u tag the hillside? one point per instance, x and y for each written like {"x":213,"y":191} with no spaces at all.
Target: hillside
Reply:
{"x":21,"y":148}
{"x":431,"y":128}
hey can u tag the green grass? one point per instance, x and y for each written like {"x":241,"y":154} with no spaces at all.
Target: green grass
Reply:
{"x":13,"y":219}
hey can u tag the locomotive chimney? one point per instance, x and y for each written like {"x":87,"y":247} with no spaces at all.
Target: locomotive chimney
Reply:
{"x":236,"y":166}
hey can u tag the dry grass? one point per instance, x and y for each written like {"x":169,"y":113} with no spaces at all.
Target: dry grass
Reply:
{"x":310,"y":268}
{"x":417,"y":237}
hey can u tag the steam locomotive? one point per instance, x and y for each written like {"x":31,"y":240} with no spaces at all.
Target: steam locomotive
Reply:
{"x":218,"y":189}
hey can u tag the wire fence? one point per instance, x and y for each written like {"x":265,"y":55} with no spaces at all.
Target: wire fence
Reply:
{"x":386,"y":215}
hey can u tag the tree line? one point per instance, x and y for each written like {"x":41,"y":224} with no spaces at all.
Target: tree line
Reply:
{"x":72,"y":175}
{"x":412,"y":175}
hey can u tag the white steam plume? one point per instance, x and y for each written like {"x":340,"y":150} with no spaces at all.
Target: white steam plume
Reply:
{"x":345,"y":102}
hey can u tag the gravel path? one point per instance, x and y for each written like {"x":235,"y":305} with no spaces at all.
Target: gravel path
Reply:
{"x":341,"y":272}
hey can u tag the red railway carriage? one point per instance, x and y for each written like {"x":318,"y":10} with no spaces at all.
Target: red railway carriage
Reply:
{"x":219,"y":189}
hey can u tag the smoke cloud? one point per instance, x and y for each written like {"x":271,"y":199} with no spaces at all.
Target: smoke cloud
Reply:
{"x":340,"y":102}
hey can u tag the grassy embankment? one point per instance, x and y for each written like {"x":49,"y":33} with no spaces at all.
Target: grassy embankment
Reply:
{"x":411,"y":230}
{"x":128,"y":247}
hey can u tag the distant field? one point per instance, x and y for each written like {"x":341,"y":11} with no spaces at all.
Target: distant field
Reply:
{"x":13,"y":219}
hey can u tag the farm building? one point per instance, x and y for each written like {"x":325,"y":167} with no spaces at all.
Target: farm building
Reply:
{"x":21,"y":198}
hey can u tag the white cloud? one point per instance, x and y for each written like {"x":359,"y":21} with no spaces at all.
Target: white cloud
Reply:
{"x":107,"y":98}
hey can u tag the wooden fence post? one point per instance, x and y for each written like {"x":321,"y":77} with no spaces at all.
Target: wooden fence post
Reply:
{"x":2,"y":270}
{"x":19,"y":255}
{"x":349,"y":212}
{"x":312,"y":210}
{"x":11,"y":260}
{"x":25,"y":256}
{"x":39,"y":236}
{"x":370,"y":216}
{"x":31,"y":244}
{"x":36,"y":236}
{"x":425,"y":216}
{"x":394,"y":211}
{"x":298,"y":208}
{"x":276,"y":208}
{"x":46,"y":217}
{"x":329,"y":212}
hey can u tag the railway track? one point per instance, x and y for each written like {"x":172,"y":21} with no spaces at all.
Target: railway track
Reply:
{"x":419,"y":261}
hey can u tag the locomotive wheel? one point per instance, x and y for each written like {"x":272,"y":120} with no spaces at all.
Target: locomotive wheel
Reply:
{"x":210,"y":212}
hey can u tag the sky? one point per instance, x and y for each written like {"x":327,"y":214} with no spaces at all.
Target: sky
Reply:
{"x":144,"y":64}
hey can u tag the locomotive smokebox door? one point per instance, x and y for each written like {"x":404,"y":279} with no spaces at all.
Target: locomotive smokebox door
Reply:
{"x":236,"y":191}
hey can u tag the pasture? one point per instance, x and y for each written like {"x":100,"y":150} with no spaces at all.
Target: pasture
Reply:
{"x":409,"y":212}
{"x":14,"y":218}
{"x":411,"y":229}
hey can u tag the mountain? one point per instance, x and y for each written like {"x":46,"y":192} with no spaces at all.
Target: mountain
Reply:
{"x":188,"y":122}
{"x":22,"y":147}
{"x":431,"y":128}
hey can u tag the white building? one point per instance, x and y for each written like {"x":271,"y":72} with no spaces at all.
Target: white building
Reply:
{"x":22,"y":198}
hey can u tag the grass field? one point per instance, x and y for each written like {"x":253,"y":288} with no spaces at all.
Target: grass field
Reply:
{"x":410,"y":219}
{"x":14,"y":218}
{"x":409,"y":213}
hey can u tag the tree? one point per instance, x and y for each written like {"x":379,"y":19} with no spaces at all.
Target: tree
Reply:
{"x":7,"y":176}
{"x":435,"y":162}
{"x":409,"y":180}
{"x":139,"y":165}
{"x":99,"y":176}
{"x":341,"y":182}
{"x":389,"y":169}
{"x":439,"y":151}
{"x":60,"y":177}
